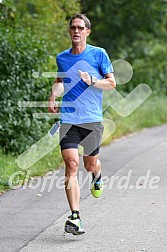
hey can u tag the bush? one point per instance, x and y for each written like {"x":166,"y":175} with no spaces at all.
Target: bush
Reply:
{"x":21,"y":53}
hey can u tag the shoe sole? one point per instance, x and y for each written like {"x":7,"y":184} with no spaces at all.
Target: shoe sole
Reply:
{"x":72,"y":229}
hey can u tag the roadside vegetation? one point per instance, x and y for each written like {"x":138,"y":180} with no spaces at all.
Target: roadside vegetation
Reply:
{"x":32,"y":34}
{"x":151,"y":113}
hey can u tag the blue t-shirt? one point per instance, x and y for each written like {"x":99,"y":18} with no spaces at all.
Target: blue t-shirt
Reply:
{"x":82,"y":103}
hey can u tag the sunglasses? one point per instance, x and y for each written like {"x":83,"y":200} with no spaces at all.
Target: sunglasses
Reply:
{"x":80,"y":28}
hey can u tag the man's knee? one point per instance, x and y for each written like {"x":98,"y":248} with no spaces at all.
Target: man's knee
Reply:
{"x":71,"y":167}
{"x":90,"y":166}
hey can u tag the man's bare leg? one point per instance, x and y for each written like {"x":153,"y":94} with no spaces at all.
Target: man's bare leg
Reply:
{"x":92,"y":164}
{"x":71,"y":159}
{"x":73,"y":224}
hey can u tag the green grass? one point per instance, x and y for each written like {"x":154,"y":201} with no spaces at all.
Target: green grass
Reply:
{"x":151,"y":113}
{"x":8,"y":167}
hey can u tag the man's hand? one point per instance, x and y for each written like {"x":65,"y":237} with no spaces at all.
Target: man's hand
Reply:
{"x":53,"y":107}
{"x":85,"y":77}
{"x":57,"y":90}
{"x":106,"y":83}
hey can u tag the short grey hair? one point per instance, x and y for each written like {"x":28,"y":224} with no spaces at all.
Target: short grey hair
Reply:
{"x":83,"y":17}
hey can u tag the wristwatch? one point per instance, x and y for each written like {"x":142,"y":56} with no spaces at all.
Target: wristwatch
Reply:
{"x":93,"y":80}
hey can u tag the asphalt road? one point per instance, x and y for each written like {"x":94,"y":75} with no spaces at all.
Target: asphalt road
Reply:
{"x":130,"y":216}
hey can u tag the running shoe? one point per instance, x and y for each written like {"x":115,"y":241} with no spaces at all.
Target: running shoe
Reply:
{"x":97,"y":188}
{"x":74,"y":226}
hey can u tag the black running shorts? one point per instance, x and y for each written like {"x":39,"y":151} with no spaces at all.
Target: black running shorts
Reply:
{"x":88,"y":135}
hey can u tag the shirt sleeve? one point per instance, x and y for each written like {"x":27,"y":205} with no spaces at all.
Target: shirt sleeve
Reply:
{"x":59,"y":68}
{"x":105,"y":63}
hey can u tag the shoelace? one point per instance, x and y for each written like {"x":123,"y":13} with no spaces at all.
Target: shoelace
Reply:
{"x":97,"y":185}
{"x":71,"y":217}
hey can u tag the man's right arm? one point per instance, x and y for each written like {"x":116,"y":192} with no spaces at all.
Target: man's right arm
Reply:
{"x":57,"y":90}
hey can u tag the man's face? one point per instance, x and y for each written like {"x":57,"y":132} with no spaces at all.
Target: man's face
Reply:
{"x":78,"y":31}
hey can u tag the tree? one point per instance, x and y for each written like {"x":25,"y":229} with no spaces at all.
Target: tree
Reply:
{"x":48,"y":19}
{"x":31,"y":35}
{"x":133,"y":30}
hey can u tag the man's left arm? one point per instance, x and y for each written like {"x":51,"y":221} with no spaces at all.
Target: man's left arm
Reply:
{"x":107,"y":83}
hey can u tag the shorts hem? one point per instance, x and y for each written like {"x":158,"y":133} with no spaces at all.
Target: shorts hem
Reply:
{"x":69,"y":146}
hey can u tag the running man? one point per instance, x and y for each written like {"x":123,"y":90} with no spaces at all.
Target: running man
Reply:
{"x":88,"y":71}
